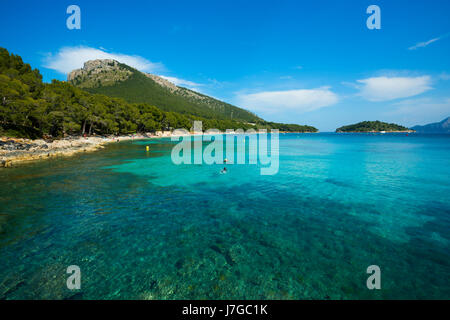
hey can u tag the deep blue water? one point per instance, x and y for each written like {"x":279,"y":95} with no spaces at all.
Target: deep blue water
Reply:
{"x":140,"y":227}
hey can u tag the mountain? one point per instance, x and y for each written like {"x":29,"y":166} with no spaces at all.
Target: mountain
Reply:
{"x":437,"y":127}
{"x":373,"y":126}
{"x":30,"y":108}
{"x":115,"y":79}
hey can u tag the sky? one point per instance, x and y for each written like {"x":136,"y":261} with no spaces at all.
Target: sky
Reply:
{"x":306,"y":62}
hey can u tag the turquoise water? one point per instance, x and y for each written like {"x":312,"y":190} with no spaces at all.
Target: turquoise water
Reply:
{"x":140,"y":227}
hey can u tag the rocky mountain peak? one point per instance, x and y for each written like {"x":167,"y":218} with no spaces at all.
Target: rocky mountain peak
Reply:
{"x":99,"y":72}
{"x":106,"y":72}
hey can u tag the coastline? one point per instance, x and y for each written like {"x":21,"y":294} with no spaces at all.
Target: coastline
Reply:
{"x":390,"y":131}
{"x":18,"y":150}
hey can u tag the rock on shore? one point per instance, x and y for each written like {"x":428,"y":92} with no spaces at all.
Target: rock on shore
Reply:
{"x":13,"y":150}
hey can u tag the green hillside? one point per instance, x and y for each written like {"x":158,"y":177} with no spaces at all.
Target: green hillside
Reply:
{"x":137,"y":87}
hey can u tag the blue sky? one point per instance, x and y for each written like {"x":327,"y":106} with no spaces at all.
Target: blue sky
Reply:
{"x":307,"y":62}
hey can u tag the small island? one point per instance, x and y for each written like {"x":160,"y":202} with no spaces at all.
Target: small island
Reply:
{"x":373,"y":126}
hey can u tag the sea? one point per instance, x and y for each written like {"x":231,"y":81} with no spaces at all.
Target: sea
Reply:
{"x":139,"y":226}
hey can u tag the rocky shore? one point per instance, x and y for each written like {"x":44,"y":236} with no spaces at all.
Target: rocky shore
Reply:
{"x":15,"y":150}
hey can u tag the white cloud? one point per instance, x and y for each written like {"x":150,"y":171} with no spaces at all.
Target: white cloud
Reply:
{"x":426,"y":43}
{"x":389,"y":88}
{"x":299,"y":101}
{"x":444,"y":76}
{"x":421,"y":110}
{"x":423,"y":44}
{"x":182,"y":82}
{"x":71,"y":58}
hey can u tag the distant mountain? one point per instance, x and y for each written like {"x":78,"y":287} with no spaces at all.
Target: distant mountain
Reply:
{"x":373,"y":126}
{"x":114,"y":79}
{"x":437,"y":127}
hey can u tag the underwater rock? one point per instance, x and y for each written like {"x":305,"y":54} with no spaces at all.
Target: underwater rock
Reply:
{"x":10,"y":284}
{"x":237,"y":253}
{"x":6,"y":163}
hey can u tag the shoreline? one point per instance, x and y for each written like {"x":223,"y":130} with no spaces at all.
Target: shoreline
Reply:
{"x":19,"y":150}
{"x":392,"y":131}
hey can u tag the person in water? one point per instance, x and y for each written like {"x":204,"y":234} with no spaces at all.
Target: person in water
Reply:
{"x":224,"y":170}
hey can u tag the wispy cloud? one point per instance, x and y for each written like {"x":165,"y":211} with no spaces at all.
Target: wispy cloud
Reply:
{"x":426,"y":43}
{"x":390,"y":88}
{"x":71,"y":58}
{"x":182,"y":82}
{"x":297,"y":101}
{"x":420,"y":110}
{"x":444,"y":76}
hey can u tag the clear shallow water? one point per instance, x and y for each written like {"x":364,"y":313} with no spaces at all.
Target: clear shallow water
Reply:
{"x":140,"y":227}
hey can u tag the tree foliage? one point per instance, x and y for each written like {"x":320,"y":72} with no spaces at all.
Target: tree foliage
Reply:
{"x":371,"y":126}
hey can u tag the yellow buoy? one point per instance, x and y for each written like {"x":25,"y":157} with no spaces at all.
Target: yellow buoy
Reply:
{"x":147,"y":148}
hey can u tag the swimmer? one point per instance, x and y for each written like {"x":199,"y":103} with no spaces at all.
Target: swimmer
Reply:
{"x":224,"y":170}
